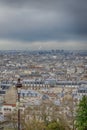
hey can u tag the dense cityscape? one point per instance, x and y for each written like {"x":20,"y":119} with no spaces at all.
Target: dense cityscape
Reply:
{"x":43,"y":64}
{"x":55,"y":77}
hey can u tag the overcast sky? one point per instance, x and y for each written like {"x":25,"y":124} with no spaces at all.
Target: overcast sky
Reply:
{"x":43,"y":24}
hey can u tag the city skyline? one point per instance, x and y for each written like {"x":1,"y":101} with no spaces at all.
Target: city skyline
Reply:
{"x":47,"y":24}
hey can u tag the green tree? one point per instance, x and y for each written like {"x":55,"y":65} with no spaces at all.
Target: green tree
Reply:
{"x":55,"y":126}
{"x":81,"y":115}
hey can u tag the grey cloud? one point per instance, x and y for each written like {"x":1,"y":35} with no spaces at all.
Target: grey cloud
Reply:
{"x":40,"y":20}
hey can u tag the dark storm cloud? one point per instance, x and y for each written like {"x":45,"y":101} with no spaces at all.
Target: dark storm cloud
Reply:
{"x":41,"y":20}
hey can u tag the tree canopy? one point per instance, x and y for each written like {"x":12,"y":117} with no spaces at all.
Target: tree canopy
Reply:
{"x":81,"y":116}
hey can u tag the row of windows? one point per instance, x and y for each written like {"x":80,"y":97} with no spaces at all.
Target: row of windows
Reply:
{"x":82,"y":91}
{"x":33,"y":83}
{"x":2,"y":92}
{"x":7,"y":109}
{"x":29,"y":94}
{"x":4,"y":87}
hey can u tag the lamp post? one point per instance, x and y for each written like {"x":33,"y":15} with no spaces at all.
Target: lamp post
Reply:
{"x":18,"y":86}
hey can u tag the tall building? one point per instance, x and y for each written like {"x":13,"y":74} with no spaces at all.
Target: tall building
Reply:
{"x":10,"y":96}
